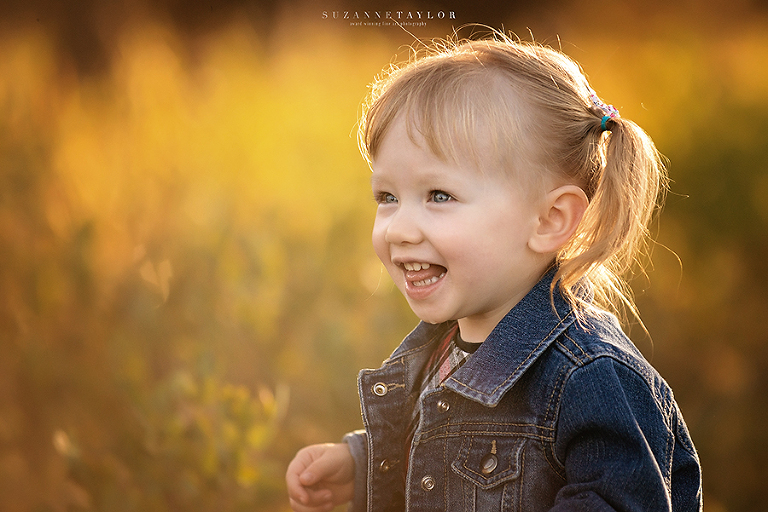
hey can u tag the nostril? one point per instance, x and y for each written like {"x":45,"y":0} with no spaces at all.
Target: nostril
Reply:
{"x":402,"y":233}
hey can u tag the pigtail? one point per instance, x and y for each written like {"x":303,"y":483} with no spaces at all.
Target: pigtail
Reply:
{"x":626,"y":184}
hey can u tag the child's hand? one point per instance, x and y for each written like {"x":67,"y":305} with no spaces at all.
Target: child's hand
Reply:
{"x":320,"y":477}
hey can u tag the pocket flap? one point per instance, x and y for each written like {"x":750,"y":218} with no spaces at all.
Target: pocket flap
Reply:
{"x":489,"y":461}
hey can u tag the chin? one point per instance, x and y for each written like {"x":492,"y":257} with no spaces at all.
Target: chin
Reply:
{"x":430,"y":318}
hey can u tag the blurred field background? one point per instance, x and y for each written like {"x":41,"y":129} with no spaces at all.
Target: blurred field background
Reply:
{"x":186,"y":285}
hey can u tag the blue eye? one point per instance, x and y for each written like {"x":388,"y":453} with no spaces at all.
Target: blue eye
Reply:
{"x":439,"y":196}
{"x":385,"y":198}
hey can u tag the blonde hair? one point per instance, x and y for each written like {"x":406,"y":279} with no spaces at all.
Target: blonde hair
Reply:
{"x":533,"y":104}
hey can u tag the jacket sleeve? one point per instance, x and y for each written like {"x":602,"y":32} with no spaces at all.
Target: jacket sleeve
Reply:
{"x":358,"y":447}
{"x":616,"y":438}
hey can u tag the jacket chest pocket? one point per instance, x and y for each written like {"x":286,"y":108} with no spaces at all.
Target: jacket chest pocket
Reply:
{"x":491,"y":472}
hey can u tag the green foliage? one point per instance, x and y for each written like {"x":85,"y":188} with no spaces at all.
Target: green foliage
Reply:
{"x":187,"y":284}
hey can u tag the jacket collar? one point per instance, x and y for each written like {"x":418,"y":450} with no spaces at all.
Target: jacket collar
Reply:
{"x":514,"y":345}
{"x":511,"y":348}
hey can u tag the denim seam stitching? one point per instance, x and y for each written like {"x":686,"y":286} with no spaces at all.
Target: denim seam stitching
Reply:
{"x":559,"y":388}
{"x":513,"y":374}
{"x":584,"y":353}
{"x":564,"y":348}
{"x":519,"y":488}
{"x":535,"y":437}
{"x":446,"y":475}
{"x":551,"y":430}
{"x":554,"y":398}
{"x":685,"y":442}
{"x":559,"y":471}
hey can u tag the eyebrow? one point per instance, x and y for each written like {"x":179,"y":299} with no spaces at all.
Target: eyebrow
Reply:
{"x":375,"y":180}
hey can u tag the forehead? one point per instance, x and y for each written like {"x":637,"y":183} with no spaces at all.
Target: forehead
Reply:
{"x":408,"y":144}
{"x":404,"y":147}
{"x":405,"y":160}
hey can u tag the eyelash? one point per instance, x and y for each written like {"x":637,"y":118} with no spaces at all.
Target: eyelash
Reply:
{"x":433,"y":196}
{"x":382,"y":198}
{"x":388,"y":198}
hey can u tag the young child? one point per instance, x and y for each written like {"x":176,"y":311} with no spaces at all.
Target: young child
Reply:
{"x":510,"y":201}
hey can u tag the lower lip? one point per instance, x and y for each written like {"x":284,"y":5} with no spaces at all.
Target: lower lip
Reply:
{"x":422,"y":292}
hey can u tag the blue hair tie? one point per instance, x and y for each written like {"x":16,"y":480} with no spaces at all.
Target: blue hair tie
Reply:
{"x":609,"y":110}
{"x":603,"y":127}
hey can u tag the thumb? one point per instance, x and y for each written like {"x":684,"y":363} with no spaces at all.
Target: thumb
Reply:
{"x":308,"y":478}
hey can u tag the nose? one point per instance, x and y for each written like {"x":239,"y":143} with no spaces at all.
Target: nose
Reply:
{"x":403,"y":227}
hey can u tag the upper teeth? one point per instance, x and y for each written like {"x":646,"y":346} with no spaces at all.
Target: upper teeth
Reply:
{"x":416,"y":266}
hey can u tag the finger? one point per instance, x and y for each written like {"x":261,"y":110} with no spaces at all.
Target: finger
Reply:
{"x":296,"y":489}
{"x":325,"y":465}
{"x":298,"y":466}
{"x":308,"y":477}
{"x":300,"y":507}
{"x":308,"y":496}
{"x":320,"y":495}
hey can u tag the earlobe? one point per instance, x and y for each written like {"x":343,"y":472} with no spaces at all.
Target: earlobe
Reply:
{"x":559,"y":217}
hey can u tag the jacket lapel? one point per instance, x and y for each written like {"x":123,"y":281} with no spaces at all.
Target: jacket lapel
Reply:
{"x":513,"y":346}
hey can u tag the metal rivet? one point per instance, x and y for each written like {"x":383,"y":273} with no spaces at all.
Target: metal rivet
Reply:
{"x":427,"y":483}
{"x":488,"y":464}
{"x":385,"y":466}
{"x":443,"y":405}
{"x":379,"y":389}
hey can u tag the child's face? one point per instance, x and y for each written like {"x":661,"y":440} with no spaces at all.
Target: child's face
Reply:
{"x":453,"y":238}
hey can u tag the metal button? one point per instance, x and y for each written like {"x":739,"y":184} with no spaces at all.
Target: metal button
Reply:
{"x":379,"y":389}
{"x":488,"y":464}
{"x":427,"y":483}
{"x":385,"y":466}
{"x":443,"y":406}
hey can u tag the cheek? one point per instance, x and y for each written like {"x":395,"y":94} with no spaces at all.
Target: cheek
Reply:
{"x":379,"y":243}
{"x":381,"y":247}
{"x":480,"y":247}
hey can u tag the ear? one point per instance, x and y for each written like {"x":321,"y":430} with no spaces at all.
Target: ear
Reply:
{"x":559,"y":217}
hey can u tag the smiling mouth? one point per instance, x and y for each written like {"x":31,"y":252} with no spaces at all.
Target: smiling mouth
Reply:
{"x":419,"y":274}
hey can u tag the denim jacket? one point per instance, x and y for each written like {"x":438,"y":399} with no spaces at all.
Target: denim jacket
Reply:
{"x":549,"y":413}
